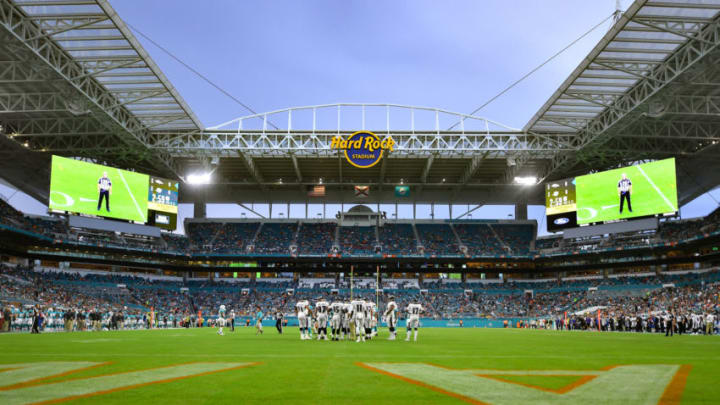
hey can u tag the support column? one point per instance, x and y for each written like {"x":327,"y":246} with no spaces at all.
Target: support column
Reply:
{"x":200,"y":210}
{"x":270,"y":210}
{"x":521,"y":211}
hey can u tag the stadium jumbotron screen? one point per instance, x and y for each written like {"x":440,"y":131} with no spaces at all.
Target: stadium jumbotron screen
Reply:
{"x":560,"y":204}
{"x":163,"y":203}
{"x":87,"y":188}
{"x":629,"y":192}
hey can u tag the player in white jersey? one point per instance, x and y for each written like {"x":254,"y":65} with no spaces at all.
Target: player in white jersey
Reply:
{"x":312,"y":325}
{"x":367,"y":318}
{"x":695,"y":323}
{"x":390,"y":316}
{"x":374,"y":320}
{"x":302,"y":315}
{"x":413,"y":319}
{"x":358,"y":319}
{"x":322,"y":309}
{"x":221,"y":319}
{"x":336,"y":319}
{"x":347,"y":314}
{"x":709,"y":323}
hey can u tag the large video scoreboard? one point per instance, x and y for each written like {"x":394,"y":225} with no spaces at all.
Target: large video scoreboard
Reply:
{"x":163,"y":203}
{"x":560,"y":204}
{"x":638,"y":191}
{"x":79,"y":187}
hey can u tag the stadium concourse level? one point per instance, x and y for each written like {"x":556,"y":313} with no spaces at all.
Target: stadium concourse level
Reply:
{"x":637,"y":301}
{"x":267,"y":238}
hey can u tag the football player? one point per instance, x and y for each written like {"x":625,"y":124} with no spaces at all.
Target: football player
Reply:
{"x":390,"y":316}
{"x":346,"y":316}
{"x":336,"y":320}
{"x":413,"y":320}
{"x":258,"y":323}
{"x":221,"y":319}
{"x":358,"y":318}
{"x":367,"y":317}
{"x":302,"y":308}
{"x":321,"y":314}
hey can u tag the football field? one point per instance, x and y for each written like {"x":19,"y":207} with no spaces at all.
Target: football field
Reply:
{"x":654,"y":191}
{"x":497,"y":366}
{"x":74,"y":188}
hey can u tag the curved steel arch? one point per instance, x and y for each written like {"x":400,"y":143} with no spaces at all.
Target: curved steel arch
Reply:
{"x":418,"y":131}
{"x":352,"y":108}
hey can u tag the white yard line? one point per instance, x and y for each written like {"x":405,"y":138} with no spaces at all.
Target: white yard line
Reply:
{"x":142,"y":215}
{"x":672,"y":208}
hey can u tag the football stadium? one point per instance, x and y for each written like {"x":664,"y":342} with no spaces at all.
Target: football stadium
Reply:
{"x":558,"y":244}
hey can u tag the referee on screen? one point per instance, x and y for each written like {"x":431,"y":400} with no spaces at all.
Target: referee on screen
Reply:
{"x":624,"y":191}
{"x":104,"y":190}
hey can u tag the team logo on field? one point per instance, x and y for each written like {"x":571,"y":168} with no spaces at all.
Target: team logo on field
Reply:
{"x":632,"y":384}
{"x":27,"y":383}
{"x":363,"y":149}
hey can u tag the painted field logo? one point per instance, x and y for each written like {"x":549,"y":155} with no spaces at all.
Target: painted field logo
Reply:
{"x":629,"y":384}
{"x":363,"y":149}
{"x":28,"y":383}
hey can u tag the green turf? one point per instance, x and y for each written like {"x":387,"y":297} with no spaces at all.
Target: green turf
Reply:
{"x":295,"y":371}
{"x":598,"y":199}
{"x":79,"y":181}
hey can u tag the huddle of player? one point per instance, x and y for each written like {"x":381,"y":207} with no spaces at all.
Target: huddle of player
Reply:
{"x":357,"y":319}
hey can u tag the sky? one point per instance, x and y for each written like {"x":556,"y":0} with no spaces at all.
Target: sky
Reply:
{"x":453,"y":55}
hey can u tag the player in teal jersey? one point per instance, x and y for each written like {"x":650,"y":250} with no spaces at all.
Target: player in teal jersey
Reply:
{"x":258,"y":322}
{"x":221,"y":319}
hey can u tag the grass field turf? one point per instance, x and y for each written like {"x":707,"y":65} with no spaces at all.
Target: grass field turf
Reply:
{"x":79,"y":181}
{"x":295,"y":371}
{"x":598,"y":200}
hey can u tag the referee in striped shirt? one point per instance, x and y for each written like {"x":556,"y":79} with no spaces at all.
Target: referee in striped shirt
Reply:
{"x":104,"y":190}
{"x":624,"y":191}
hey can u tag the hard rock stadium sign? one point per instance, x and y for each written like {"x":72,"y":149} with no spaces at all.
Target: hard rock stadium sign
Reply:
{"x":363,"y":149}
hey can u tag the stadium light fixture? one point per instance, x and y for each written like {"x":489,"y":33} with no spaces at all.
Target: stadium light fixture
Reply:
{"x":202,"y":178}
{"x":526,"y":181}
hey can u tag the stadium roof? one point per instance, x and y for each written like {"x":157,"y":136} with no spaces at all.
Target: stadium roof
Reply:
{"x":74,"y":81}
{"x":649,"y":89}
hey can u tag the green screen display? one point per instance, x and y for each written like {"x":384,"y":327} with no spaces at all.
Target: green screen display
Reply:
{"x":243,"y":264}
{"x":629,"y":192}
{"x":87,"y":188}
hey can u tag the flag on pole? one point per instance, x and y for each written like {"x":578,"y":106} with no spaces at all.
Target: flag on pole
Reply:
{"x":316,"y":191}
{"x":402,"y":191}
{"x":362,"y":191}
